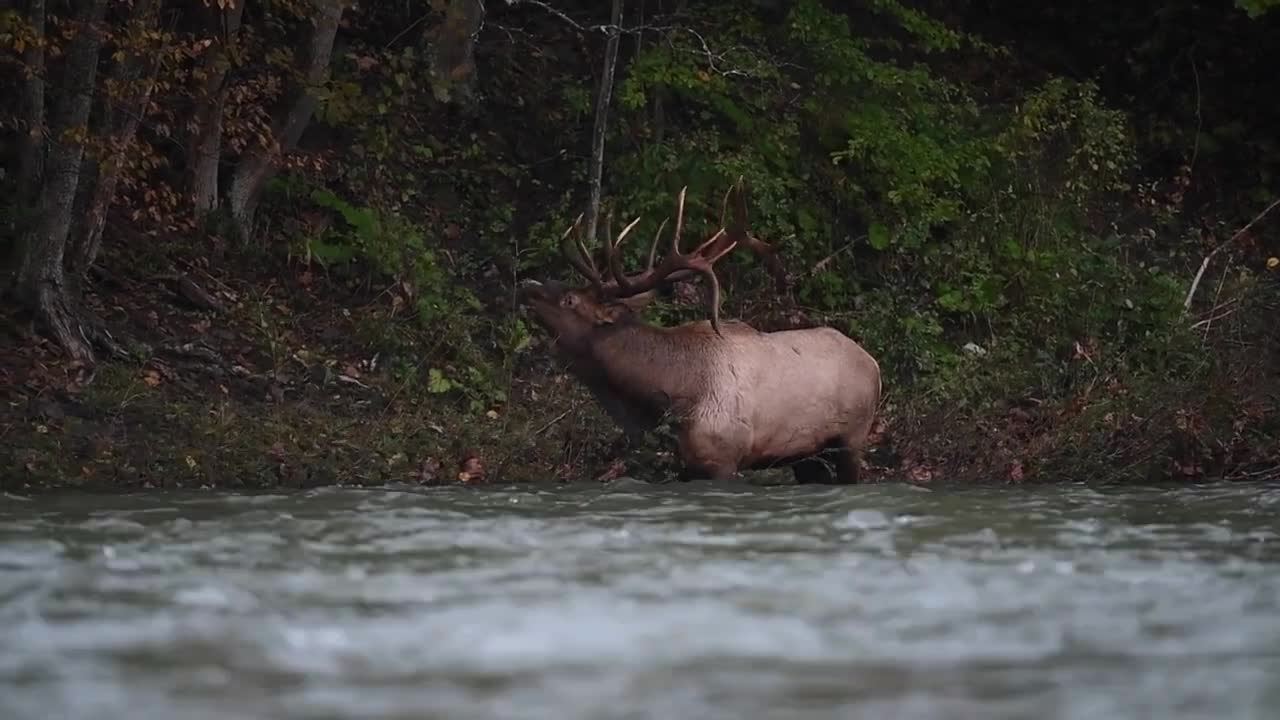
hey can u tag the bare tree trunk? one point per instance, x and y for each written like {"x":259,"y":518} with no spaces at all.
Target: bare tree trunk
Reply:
{"x":31,"y":149}
{"x":596,"y":169}
{"x":257,"y":165}
{"x":122,"y":117}
{"x":205,"y":150}
{"x":41,"y":280}
{"x":453,"y":68}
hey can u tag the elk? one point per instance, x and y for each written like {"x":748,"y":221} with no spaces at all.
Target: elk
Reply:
{"x":740,"y":399}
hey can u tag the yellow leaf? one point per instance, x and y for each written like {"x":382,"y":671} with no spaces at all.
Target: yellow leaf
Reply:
{"x":1273,"y":263}
{"x":191,"y":462}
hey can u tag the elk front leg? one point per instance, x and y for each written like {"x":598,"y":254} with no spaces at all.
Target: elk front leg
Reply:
{"x":706,"y":455}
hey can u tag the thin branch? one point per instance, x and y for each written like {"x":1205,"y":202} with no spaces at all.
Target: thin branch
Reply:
{"x":1204,"y":265}
{"x":1208,"y":324}
{"x":559,"y":14}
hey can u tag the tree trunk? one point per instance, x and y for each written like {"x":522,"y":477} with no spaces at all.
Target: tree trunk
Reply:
{"x":31,"y":148}
{"x":205,"y":149}
{"x":453,"y":69}
{"x":41,"y":280}
{"x":257,"y":165}
{"x":596,"y":169}
{"x":122,"y":118}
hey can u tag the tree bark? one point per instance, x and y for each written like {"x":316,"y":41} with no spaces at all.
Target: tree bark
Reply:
{"x":453,"y":68}
{"x":31,"y":148}
{"x":257,"y":165}
{"x":122,"y":119}
{"x":596,"y":169}
{"x":41,"y":279}
{"x":205,"y":149}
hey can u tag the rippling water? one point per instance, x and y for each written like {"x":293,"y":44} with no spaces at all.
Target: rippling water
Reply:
{"x":678,"y":603}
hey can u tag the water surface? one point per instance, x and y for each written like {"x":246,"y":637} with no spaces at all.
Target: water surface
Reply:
{"x":696,"y":601}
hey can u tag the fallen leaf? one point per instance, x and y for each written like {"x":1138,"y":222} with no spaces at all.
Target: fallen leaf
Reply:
{"x":613,"y":472}
{"x":1016,"y":473}
{"x":1273,"y":263}
{"x":472,"y":470}
{"x":151,"y":377}
{"x":428,"y":471}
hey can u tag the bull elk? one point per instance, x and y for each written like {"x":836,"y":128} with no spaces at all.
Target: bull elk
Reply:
{"x":741,"y":399}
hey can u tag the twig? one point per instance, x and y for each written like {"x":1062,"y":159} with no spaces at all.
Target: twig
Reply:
{"x":1208,"y":324}
{"x":559,"y":14}
{"x":553,"y":421}
{"x":502,"y":464}
{"x":1209,"y":320}
{"x":1204,"y":265}
{"x":824,"y":262}
{"x":407,"y":29}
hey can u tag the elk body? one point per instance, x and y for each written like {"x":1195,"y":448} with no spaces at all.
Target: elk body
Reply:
{"x":741,"y":399}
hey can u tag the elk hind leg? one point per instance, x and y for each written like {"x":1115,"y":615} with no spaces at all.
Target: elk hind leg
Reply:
{"x":812,"y":471}
{"x":849,"y":458}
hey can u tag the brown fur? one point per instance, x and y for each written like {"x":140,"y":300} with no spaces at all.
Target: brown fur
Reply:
{"x":742,"y":399}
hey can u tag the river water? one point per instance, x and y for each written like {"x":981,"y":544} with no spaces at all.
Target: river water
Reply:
{"x":686,"y":602}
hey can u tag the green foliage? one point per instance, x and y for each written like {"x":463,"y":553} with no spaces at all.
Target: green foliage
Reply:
{"x":970,"y":222}
{"x":1257,"y":8}
{"x":394,"y":248}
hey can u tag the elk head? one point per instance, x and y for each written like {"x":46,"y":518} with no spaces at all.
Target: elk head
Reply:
{"x":614,"y":297}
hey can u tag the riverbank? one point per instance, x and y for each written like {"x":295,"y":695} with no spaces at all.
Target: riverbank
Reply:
{"x":281,"y":376}
{"x":1012,"y":230}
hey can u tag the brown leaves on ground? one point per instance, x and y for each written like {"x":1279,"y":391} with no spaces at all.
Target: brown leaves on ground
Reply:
{"x":471,"y":470}
{"x":428,"y":471}
{"x":615,"y":470}
{"x":1015,"y":472}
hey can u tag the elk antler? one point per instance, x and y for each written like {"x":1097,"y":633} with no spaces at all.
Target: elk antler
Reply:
{"x":737,"y":232}
{"x":578,"y":256}
{"x":675,"y":266}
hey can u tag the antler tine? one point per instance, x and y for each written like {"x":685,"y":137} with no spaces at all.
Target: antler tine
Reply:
{"x":653,"y":249}
{"x":714,"y":282}
{"x":712,"y":240}
{"x":626,"y":230}
{"x":675,"y":236}
{"x":761,"y":249}
{"x":724,"y":204}
{"x":676,"y":266}
{"x":615,"y":261}
{"x":579,"y":258}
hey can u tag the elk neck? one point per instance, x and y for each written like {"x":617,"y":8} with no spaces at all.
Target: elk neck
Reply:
{"x":651,"y":369}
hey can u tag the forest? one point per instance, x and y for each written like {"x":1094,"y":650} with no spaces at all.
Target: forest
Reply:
{"x":255,"y":243}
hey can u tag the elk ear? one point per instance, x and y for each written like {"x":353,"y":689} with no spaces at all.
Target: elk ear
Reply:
{"x":619,"y":309}
{"x":637,"y":303}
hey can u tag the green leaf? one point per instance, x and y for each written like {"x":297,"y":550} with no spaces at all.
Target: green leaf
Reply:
{"x":878,"y":236}
{"x":437,"y":383}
